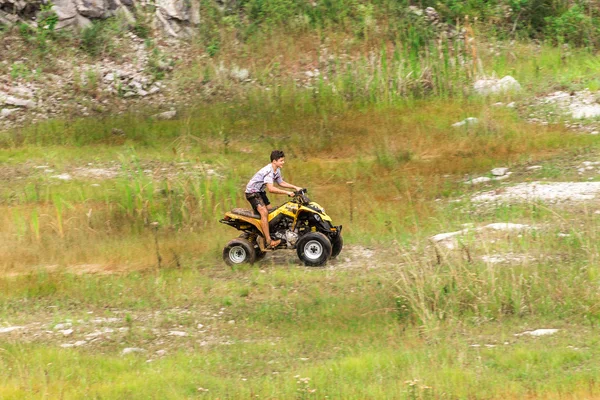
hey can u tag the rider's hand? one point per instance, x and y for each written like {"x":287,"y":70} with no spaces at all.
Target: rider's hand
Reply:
{"x":290,"y":194}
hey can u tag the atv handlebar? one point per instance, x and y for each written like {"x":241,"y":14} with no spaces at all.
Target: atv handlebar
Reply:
{"x":300,"y":192}
{"x":301,"y":197}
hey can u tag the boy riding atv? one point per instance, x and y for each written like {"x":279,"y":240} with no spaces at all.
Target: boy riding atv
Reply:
{"x":266,"y":178}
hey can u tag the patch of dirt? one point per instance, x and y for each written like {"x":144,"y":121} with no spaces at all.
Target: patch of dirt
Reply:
{"x":551,"y":192}
{"x":106,"y":170}
{"x":351,"y":257}
{"x":154,"y":333}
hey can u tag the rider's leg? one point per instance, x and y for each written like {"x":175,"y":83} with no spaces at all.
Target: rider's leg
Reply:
{"x":264,"y":223}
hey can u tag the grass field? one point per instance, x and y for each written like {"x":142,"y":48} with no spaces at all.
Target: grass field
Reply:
{"x":88,"y":207}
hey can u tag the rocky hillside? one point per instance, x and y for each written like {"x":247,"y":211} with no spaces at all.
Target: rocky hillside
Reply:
{"x":174,"y":17}
{"x":91,"y":57}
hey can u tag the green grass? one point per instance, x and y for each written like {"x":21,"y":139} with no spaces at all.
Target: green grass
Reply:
{"x":395,"y":317}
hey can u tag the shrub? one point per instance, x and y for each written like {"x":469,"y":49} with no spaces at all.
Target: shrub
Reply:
{"x":574,"y":27}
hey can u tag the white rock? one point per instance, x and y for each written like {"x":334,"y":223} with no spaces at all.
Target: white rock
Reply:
{"x":534,"y":168}
{"x":66,"y":332}
{"x":10,"y":329}
{"x":466,"y":122}
{"x":538,"y":332}
{"x":481,"y":179}
{"x":494,"y":86}
{"x":552,"y":192}
{"x":5,"y":112}
{"x":63,"y":177}
{"x":22,"y":92}
{"x":66,"y":325}
{"x":445,"y":236}
{"x":166,"y":115}
{"x":130,"y":350}
{"x":178,"y":333}
{"x":15,"y":101}
{"x":76,"y":344}
{"x":503,"y":177}
{"x":174,"y":9}
{"x":64,"y":9}
{"x":499,"y":171}
{"x":506,"y":226}
{"x":92,"y":8}
{"x":585,"y":111}
{"x":154,"y":89}
{"x":241,"y":74}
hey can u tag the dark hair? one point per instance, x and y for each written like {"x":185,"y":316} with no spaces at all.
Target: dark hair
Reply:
{"x":276,"y":155}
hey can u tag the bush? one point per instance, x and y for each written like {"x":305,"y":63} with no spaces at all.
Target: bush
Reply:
{"x":97,"y":39}
{"x":574,"y":26}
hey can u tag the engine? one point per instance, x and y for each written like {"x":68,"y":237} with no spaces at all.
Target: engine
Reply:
{"x":283,"y":231}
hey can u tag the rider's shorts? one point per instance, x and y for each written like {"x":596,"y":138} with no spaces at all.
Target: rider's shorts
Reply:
{"x":257,"y":199}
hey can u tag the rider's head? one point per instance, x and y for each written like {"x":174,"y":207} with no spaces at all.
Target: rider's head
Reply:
{"x":276,"y":155}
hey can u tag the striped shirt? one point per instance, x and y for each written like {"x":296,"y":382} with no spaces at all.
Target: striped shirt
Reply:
{"x":266,"y":175}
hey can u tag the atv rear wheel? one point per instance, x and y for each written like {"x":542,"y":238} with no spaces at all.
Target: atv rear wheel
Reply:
{"x":336,"y":245}
{"x":239,"y":251}
{"x":313,"y":249}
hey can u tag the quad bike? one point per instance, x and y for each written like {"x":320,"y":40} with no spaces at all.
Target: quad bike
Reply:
{"x":300,"y":224}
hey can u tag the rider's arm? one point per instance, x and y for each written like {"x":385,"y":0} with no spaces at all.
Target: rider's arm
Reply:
{"x":272,"y":189}
{"x":288,"y":185}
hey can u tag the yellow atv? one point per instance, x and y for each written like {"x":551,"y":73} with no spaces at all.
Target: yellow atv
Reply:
{"x":300,"y":224}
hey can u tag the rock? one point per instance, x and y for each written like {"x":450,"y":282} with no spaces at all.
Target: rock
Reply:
{"x":92,"y":8}
{"x":495,"y":86}
{"x":538,"y":332}
{"x":166,"y":26}
{"x":10,"y":329}
{"x":64,"y":9}
{"x":66,"y":332}
{"x":481,"y":179}
{"x":174,"y":9}
{"x":241,"y":74}
{"x":76,"y":344}
{"x":415,"y":10}
{"x":506,"y":226}
{"x":15,"y":101}
{"x":499,"y":171}
{"x":534,"y":168}
{"x":22,"y":92}
{"x":177,"y":333}
{"x":154,"y":89}
{"x":545,"y":191}
{"x":130,"y":350}
{"x":466,"y":122}
{"x":63,"y":177}
{"x":109,"y":78}
{"x":166,"y":115}
{"x":585,"y":111}
{"x":8,"y":19}
{"x":5,"y":112}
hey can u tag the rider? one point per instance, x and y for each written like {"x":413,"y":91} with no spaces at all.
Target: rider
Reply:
{"x":256,"y":195}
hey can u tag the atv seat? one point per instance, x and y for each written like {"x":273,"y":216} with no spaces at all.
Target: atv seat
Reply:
{"x":248,"y":213}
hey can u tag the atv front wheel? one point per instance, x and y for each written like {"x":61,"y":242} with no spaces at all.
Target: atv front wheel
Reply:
{"x":314,"y":249}
{"x":239,"y":251}
{"x":336,"y":245}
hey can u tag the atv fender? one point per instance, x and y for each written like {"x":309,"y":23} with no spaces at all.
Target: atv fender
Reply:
{"x":252,"y":221}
